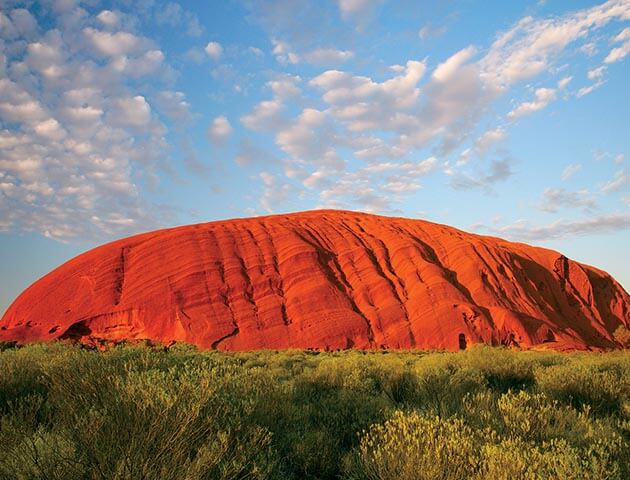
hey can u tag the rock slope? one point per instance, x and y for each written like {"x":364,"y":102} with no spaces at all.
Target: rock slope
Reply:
{"x":325,"y":280}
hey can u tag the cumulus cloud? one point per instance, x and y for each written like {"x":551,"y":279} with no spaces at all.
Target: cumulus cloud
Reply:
{"x":285,"y":86}
{"x":78,"y":137}
{"x":214,"y":50}
{"x":563,"y":82}
{"x":446,"y":70}
{"x":363,"y":104}
{"x":310,"y":138}
{"x":114,"y":44}
{"x":266,"y":115}
{"x":489,"y":138}
{"x":131,"y":112}
{"x":529,"y":47}
{"x":174,"y":105}
{"x":386,"y":119}
{"x":619,"y":53}
{"x":108,"y":18}
{"x":283,"y":52}
{"x":219,"y":130}
{"x":596,"y":73}
{"x":543,"y":97}
{"x":375,"y":188}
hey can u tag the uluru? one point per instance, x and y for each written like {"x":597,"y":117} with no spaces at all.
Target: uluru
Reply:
{"x":324,"y":280}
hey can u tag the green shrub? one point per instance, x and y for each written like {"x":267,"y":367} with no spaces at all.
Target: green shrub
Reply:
{"x":409,"y":446}
{"x":150,"y":412}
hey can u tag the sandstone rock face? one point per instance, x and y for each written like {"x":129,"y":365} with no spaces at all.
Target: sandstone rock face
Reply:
{"x":326,"y":280}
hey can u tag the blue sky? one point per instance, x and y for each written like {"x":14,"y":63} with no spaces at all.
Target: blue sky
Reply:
{"x":502,"y":118}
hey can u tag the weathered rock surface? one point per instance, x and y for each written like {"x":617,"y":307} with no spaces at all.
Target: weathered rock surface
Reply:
{"x":322,"y":279}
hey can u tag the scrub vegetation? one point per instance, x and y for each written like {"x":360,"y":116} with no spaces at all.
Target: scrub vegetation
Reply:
{"x":147,"y":412}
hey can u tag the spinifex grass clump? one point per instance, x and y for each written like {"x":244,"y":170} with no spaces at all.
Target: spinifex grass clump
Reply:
{"x":151,"y":413}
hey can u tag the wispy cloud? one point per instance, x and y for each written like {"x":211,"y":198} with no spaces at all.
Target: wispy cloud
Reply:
{"x":598,"y":224}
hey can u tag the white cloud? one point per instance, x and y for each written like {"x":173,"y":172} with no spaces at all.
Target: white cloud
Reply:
{"x":588,"y":89}
{"x":528,"y":48}
{"x":605,"y":223}
{"x":351,"y":8}
{"x":17,"y":22}
{"x":309,"y":138}
{"x":500,"y":170}
{"x":265,"y":116}
{"x":283,"y":52}
{"x":285,"y":86}
{"x":623,"y":35}
{"x":388,"y":119}
{"x":50,"y":129}
{"x":488,"y":138}
{"x":256,"y":51}
{"x":596,"y":73}
{"x":79,"y":139}
{"x":149,"y":62}
{"x":214,"y":50}
{"x":543,"y":97}
{"x":618,"y":53}
{"x":570,"y":171}
{"x":132,"y":111}
{"x":563,"y":82}
{"x":174,"y":15}
{"x":46,"y":57}
{"x":23,"y":22}
{"x":367,"y":105}
{"x":108,"y":18}
{"x":555,"y":198}
{"x":428,"y":31}
{"x":219,"y":130}
{"x":114,"y":44}
{"x":620,"y":182}
{"x":328,"y":56}
{"x":445,"y":70}
{"x":589,"y":49}
{"x":274,"y":193}
{"x":174,"y":105}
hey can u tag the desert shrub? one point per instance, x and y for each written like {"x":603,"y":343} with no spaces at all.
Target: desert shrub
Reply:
{"x":317,"y":423}
{"x":7,"y":346}
{"x":20,"y":376}
{"x":512,"y":459}
{"x":526,"y":443}
{"x":622,"y":336}
{"x":442,"y":389}
{"x":145,"y":411}
{"x":113,"y":418}
{"x":602,"y":386}
{"x":503,"y":369}
{"x":412,"y":446}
